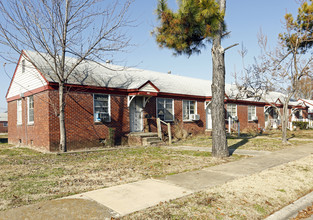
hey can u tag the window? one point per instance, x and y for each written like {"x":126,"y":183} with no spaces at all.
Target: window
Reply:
{"x":231,"y":110}
{"x":101,"y":108}
{"x":5,"y":124}
{"x":19,"y":111}
{"x":165,"y":109}
{"x":189,"y":108}
{"x":251,"y":112}
{"x":30,"y":109}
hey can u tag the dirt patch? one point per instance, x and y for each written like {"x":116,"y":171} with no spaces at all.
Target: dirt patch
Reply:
{"x":64,"y":209}
{"x":251,"y":197}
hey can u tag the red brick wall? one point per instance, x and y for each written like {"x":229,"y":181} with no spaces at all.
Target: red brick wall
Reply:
{"x":193,"y":127}
{"x":82,"y":131}
{"x":242,"y":113}
{"x":25,"y":134}
{"x":3,"y":129}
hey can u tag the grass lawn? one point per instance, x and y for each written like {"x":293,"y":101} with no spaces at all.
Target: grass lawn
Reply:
{"x":27,"y":176}
{"x":303,"y":134}
{"x":267,"y":142}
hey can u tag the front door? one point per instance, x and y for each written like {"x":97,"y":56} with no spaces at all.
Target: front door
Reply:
{"x":136,"y":114}
{"x":208,"y":118}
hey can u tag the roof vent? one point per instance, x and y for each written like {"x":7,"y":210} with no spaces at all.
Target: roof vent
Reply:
{"x":169,"y":72}
{"x":108,"y":61}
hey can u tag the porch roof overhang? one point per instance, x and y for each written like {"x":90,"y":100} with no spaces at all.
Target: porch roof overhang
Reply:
{"x":146,"y":90}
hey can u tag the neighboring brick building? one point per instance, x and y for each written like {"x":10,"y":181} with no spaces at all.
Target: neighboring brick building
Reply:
{"x":3,"y":122}
{"x":100,"y":97}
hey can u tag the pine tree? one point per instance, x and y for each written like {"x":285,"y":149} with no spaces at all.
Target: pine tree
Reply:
{"x":188,"y":31}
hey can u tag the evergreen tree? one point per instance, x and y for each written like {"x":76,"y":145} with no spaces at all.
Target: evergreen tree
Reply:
{"x":187,"y":31}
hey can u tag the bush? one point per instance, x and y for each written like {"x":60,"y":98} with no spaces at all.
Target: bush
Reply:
{"x":301,"y":124}
{"x":179,"y":131}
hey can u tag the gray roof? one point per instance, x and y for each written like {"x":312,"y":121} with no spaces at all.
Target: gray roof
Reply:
{"x":3,"y":116}
{"x":90,"y":73}
{"x":113,"y":76}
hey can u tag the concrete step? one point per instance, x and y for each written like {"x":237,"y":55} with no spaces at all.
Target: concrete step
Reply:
{"x":151,"y":140}
{"x":143,"y":139}
{"x":142,"y":134}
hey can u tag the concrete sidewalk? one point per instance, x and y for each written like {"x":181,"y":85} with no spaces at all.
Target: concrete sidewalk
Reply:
{"x":124,"y":199}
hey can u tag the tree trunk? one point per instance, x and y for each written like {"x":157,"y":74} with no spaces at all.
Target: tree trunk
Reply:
{"x":285,"y":118}
{"x":219,"y":140}
{"x":62,"y":147}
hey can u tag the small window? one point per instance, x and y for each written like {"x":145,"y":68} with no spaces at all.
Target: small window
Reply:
{"x":251,"y":112}
{"x":101,"y":108}
{"x":30,"y":110}
{"x":5,"y":124}
{"x":19,"y":111}
{"x":189,"y":108}
{"x":23,"y":66}
{"x":165,"y":109}
{"x":231,"y":110}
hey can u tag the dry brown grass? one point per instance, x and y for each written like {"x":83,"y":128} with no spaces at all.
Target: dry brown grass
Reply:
{"x":251,"y":197}
{"x":27,"y":176}
{"x":265,"y":142}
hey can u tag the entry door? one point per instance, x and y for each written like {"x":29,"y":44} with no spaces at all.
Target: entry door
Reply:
{"x":136,"y":114}
{"x":208,"y":118}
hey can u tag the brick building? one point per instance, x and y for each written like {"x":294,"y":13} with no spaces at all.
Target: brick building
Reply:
{"x":3,"y":122}
{"x":100,"y":97}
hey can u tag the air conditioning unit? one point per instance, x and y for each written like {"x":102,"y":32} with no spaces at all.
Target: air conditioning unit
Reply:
{"x":194,"y":117}
{"x":255,"y":118}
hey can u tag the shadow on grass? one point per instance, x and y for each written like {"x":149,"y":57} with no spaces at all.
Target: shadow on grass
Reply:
{"x":3,"y":140}
{"x":234,"y":147}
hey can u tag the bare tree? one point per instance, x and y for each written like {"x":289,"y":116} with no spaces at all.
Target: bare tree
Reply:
{"x":278,"y":70}
{"x":56,"y":29}
{"x":306,"y":87}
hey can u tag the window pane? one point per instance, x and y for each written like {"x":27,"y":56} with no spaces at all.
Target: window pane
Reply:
{"x":164,"y":109}
{"x":101,"y":107}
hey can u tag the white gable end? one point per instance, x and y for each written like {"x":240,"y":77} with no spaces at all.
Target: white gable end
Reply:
{"x":148,"y":88}
{"x":25,"y":81}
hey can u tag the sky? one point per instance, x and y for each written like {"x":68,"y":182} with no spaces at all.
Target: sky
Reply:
{"x":244,"y":18}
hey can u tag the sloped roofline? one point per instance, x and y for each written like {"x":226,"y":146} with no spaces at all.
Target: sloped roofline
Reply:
{"x":18,"y":63}
{"x":149,"y":82}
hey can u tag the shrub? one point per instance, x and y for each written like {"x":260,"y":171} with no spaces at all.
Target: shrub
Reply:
{"x":179,"y":131}
{"x":301,"y":124}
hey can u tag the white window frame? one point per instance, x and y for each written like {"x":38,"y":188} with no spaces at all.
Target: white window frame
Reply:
{"x":30,"y":106}
{"x":188,"y":104}
{"x":109,"y":108}
{"x":229,"y":109}
{"x":19,"y":112}
{"x":164,"y":107}
{"x":249,"y":109}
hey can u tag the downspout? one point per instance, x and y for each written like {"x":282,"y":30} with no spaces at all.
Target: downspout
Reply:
{"x":26,"y":121}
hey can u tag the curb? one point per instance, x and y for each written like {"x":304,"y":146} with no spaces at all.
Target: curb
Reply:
{"x":292,"y":210}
